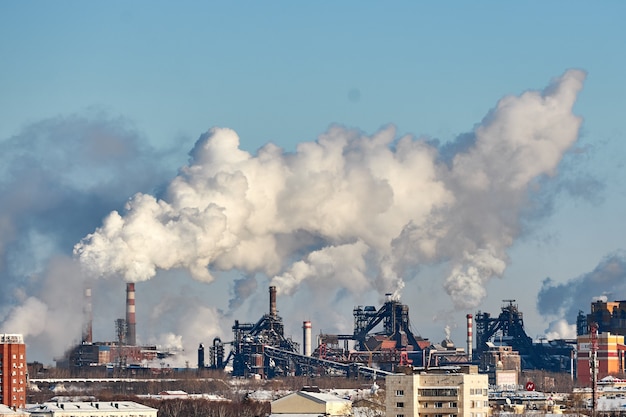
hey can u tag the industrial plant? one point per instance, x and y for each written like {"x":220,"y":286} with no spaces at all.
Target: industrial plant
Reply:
{"x":383,"y":342}
{"x":121,"y":354}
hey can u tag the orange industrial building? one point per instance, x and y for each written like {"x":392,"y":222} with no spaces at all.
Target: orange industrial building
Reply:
{"x":13,"y":370}
{"x":610,"y":352}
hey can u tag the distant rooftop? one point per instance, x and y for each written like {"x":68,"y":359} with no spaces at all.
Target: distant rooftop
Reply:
{"x":87,"y":408}
{"x":11,"y":338}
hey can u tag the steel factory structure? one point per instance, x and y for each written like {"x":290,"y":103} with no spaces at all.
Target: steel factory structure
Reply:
{"x":382,"y":341}
{"x":508,"y":330}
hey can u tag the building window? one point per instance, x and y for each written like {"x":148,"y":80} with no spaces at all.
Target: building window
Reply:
{"x":399,"y":415}
{"x":425,"y":405}
{"x":438,"y":405}
{"x":399,"y":405}
{"x":438,"y":392}
{"x":399,"y":393}
{"x":453,"y":404}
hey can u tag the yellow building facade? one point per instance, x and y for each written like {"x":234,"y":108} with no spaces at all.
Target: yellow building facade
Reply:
{"x":438,"y":393}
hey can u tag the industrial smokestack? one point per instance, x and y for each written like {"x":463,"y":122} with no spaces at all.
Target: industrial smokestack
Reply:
{"x":273,"y":301}
{"x":201,"y":356}
{"x":470,"y":339}
{"x":130,"y":315}
{"x":306,"y":338}
{"x":88,"y":318}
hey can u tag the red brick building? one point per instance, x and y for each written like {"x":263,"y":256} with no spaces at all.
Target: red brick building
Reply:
{"x":13,"y":370}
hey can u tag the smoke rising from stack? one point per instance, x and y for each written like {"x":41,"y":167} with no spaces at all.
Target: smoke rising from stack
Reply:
{"x":348,"y":210}
{"x":58,"y":178}
{"x":348,"y":214}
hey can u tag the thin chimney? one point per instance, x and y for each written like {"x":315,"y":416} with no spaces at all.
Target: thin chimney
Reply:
{"x":87,"y":317}
{"x":131,"y":339}
{"x":306,"y":338}
{"x":470,"y":339}
{"x":273,"y":301}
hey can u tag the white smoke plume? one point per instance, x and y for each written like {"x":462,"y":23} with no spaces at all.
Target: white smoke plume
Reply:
{"x":560,"y":329}
{"x":349,"y":210}
{"x":58,"y":178}
{"x":566,"y":299}
{"x":49,"y":319}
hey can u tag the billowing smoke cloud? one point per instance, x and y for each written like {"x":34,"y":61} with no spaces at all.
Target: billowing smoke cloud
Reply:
{"x":348,"y":211}
{"x":187,"y":321}
{"x":50,"y":317}
{"x":58,"y":179}
{"x":608,"y":279}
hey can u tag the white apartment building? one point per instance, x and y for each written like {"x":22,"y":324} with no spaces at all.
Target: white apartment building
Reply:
{"x":450,"y":392}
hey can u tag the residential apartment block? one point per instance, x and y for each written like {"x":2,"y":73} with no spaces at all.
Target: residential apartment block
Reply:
{"x":13,"y":370}
{"x":450,"y":392}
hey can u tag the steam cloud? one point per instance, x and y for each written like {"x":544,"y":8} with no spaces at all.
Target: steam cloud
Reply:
{"x":565,"y":299}
{"x":58,"y":178}
{"x":348,"y":210}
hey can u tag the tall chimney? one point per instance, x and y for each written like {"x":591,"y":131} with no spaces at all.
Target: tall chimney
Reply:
{"x":201,"y":356}
{"x":306,"y":338}
{"x":273,"y":301}
{"x":131,"y":338}
{"x":470,"y":339}
{"x":87,"y":318}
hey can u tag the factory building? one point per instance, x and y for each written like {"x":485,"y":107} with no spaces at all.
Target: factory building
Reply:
{"x":610,"y":316}
{"x":607,"y":322}
{"x":610,"y":356}
{"x":13,"y":370}
{"x":449,"y":391}
{"x":502,"y":364}
{"x":508,"y":330}
{"x":383,"y":340}
{"x":123,"y":353}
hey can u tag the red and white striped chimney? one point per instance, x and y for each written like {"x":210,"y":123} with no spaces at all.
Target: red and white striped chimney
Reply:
{"x":470,"y":339}
{"x":131,"y":338}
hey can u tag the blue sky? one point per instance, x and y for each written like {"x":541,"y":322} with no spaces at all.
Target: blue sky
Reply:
{"x":143,"y":81}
